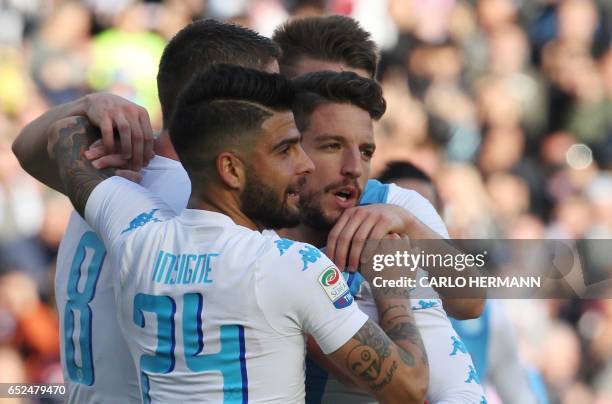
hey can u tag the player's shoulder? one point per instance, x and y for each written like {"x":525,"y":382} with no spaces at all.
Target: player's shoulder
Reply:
{"x":400,"y":194}
{"x":159,"y":165}
{"x":418,"y":205}
{"x":378,"y":192}
{"x":296,"y":256}
{"x":374,"y":192}
{"x":168,"y":179}
{"x":302,"y":267}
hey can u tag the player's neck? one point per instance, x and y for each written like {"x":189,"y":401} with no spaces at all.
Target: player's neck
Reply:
{"x":163,"y":146}
{"x":224,"y":205}
{"x":306,"y":234}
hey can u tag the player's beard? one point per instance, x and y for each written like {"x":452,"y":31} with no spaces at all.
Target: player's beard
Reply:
{"x":262,"y":204}
{"x":311,"y":206}
{"x":312,"y":214}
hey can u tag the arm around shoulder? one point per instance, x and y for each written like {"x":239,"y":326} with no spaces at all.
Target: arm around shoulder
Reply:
{"x":385,"y":370}
{"x":67,"y":141}
{"x":30,"y":146}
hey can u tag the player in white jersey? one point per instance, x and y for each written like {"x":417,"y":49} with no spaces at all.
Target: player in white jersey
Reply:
{"x":180,"y":68}
{"x":205,"y":320}
{"x":335,"y":113}
{"x":490,"y":338}
{"x":339,"y":43}
{"x":94,"y":356}
{"x":93,"y":350}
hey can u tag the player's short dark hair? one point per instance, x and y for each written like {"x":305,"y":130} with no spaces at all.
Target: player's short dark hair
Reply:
{"x":224,"y":108}
{"x":320,"y":88}
{"x":200,"y":45}
{"x":332,"y":38}
{"x":403,"y":170}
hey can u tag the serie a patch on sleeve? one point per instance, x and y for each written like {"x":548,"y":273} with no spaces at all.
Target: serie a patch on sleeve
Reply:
{"x":335,"y":287}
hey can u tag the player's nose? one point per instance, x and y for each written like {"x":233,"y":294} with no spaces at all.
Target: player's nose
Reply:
{"x":351,"y":163}
{"x":305,"y":164}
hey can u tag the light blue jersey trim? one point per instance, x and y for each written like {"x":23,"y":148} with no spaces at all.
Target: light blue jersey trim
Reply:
{"x":475,"y":335}
{"x":374,"y":192}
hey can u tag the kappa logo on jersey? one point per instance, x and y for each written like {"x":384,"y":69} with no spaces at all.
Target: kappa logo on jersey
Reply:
{"x":141,"y":220}
{"x":335,"y":287}
{"x":473,"y":376}
{"x":458,"y":346}
{"x":283,"y":245}
{"x":310,"y":255}
{"x":425,"y":304}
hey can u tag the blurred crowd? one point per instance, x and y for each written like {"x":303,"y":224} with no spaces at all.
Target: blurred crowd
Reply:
{"x":506,"y":104}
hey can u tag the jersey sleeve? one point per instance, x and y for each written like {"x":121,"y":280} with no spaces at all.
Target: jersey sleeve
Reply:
{"x":303,"y":291}
{"x":419,"y":206}
{"x":117,"y":206}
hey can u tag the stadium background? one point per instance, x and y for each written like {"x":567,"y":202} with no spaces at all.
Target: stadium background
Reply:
{"x":507,"y":104}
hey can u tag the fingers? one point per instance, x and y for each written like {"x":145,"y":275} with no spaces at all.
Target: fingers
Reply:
{"x":116,"y":115}
{"x":137,"y":144}
{"x":97,"y":144}
{"x":332,"y":237}
{"x":148,"y":138}
{"x":359,"y":241}
{"x":340,"y":237}
{"x":130,"y":175}
{"x":95,"y":151}
{"x":137,"y":134}
{"x":108,"y":136}
{"x":110,"y":161}
{"x":125,"y":135}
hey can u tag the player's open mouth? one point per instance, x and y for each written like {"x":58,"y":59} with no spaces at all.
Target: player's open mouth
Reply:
{"x":343,"y":196}
{"x":346,"y":196}
{"x":292,"y":194}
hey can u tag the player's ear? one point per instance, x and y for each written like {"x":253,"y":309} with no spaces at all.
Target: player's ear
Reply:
{"x":231,"y":169}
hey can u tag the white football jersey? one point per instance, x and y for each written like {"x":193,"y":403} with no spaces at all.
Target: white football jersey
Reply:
{"x":451,"y":372}
{"x":213,"y":311}
{"x":95,"y":360}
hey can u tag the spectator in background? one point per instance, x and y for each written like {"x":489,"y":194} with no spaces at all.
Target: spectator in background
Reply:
{"x":30,"y":327}
{"x":409,"y":176}
{"x":61,"y":53}
{"x":125,"y":59}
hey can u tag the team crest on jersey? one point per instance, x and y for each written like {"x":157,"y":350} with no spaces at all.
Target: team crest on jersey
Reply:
{"x":141,"y":220}
{"x":335,"y":287}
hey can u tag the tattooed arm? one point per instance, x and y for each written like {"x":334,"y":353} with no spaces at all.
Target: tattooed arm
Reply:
{"x":390,"y":357}
{"x":397,"y":322}
{"x":68,"y":139}
{"x":134,"y":144}
{"x":387,"y":361}
{"x":392,"y":369}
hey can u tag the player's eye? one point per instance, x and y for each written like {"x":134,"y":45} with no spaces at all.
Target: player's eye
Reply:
{"x":286,"y":149}
{"x":367,"y":154}
{"x":331,"y":146}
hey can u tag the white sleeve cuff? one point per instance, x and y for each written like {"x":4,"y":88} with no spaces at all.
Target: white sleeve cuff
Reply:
{"x":343,"y":332}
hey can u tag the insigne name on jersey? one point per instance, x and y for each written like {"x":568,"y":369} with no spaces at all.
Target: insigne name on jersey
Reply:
{"x":335,"y":287}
